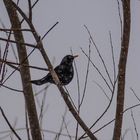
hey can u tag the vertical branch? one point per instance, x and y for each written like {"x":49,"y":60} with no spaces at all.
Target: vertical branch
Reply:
{"x":135,"y":127}
{"x":87,"y":72}
{"x":119,"y":13}
{"x":24,"y":71}
{"x":122,"y":69}
{"x":113,"y":59}
{"x":78,"y":89}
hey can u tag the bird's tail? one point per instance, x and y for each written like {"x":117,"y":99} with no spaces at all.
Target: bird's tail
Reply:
{"x":40,"y":81}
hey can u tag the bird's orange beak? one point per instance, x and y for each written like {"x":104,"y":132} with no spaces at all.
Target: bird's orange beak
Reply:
{"x":75,"y":56}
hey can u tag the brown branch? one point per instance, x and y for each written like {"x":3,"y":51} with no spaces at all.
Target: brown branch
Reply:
{"x":15,"y":29}
{"x":21,"y":43}
{"x":122,"y":70}
{"x":24,"y":71}
{"x":13,"y":63}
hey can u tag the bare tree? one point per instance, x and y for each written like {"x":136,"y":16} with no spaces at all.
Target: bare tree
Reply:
{"x":34,"y":118}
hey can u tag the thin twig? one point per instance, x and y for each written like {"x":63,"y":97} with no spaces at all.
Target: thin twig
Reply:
{"x":42,"y":90}
{"x":68,"y":94}
{"x":70,"y":137}
{"x":5,"y":58}
{"x":135,"y":94}
{"x":14,"y":125}
{"x":127,"y":109}
{"x":135,"y":127}
{"x":49,"y":30}
{"x":96,"y":68}
{"x":18,"y":67}
{"x":10,"y":126}
{"x":13,"y":63}
{"x":7,"y":34}
{"x":106,"y":109}
{"x":102,"y":89}
{"x":31,"y":9}
{"x":100,"y":56}
{"x":42,"y":105}
{"x":28,"y":54}
{"x":14,"y":29}
{"x":112,"y":53}
{"x":78,"y":90}
{"x":125,"y":133}
{"x":105,"y":125}
{"x":11,"y":88}
{"x":87,"y":72}
{"x":26,"y":124}
{"x":12,"y":41}
{"x":61,"y":126}
{"x":120,"y":18}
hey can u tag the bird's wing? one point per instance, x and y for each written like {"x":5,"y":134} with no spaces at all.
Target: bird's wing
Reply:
{"x":59,"y":69}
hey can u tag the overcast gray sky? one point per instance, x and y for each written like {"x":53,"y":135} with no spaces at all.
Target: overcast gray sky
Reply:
{"x":100,"y":17}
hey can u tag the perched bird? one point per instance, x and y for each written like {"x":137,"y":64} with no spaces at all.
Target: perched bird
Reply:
{"x":64,"y":71}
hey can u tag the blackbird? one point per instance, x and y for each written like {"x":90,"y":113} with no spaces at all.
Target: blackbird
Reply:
{"x":64,"y":71}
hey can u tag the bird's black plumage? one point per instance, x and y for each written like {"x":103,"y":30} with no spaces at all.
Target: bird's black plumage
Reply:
{"x":64,"y":72}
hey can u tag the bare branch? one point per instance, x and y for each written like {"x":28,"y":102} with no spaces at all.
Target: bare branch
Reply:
{"x":87,"y":72}
{"x":134,"y":122}
{"x":100,"y":56}
{"x":135,"y":94}
{"x":96,"y":68}
{"x":102,"y":89}
{"x":127,"y":109}
{"x":119,"y":13}
{"x":49,"y":30}
{"x":13,"y":63}
{"x":122,"y":69}
{"x":21,"y":43}
{"x":10,"y":126}
{"x":11,"y":88}
{"x":113,"y":59}
{"x":14,"y":29}
{"x":101,"y":116}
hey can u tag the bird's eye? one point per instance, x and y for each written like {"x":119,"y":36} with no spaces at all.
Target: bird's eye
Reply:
{"x":69,"y":59}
